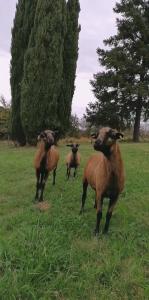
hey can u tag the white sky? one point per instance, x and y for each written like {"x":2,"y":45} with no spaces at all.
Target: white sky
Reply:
{"x":97,"y":22}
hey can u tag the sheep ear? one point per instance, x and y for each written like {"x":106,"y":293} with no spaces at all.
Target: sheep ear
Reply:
{"x":118,"y":135}
{"x":68,"y":145}
{"x":94,"y":135}
{"x":41,"y":135}
{"x":77,"y":145}
{"x":55,"y":132}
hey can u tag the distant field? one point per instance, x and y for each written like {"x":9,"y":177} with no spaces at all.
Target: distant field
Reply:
{"x":53,"y":254}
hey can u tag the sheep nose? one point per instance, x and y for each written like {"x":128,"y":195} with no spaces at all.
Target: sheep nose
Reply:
{"x":74,"y":150}
{"x":97,"y":144}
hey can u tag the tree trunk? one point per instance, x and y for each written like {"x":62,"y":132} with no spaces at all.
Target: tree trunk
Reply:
{"x":136,"y":131}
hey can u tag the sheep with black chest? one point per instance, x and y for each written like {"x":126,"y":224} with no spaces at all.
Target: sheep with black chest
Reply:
{"x":104,"y":172}
{"x":73,"y":159}
{"x":46,"y":160}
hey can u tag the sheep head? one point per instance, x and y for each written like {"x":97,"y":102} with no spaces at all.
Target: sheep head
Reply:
{"x":48,"y":137}
{"x":105,"y":138}
{"x":74,"y":147}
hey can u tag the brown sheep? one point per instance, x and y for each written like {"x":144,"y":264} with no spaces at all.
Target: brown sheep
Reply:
{"x":46,"y":160}
{"x":104,"y":172}
{"x":73,"y":159}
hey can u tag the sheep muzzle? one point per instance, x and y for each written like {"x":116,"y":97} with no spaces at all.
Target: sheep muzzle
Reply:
{"x":105,"y":149}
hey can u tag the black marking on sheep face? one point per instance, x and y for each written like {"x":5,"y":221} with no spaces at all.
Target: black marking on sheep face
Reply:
{"x":48,"y":137}
{"x":105,"y":149}
{"x":106,"y":138}
{"x":74,"y":147}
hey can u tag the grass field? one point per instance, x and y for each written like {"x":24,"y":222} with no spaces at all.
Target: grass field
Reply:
{"x":53,"y":254}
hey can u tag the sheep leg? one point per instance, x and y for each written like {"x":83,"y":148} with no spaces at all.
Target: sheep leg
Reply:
{"x":85,"y":185}
{"x":95,"y":204}
{"x":37,"y":184}
{"x":99,"y":202}
{"x":109,"y":213}
{"x":75,"y":171}
{"x":54,"y":175}
{"x":44,"y":177}
{"x":68,"y":173}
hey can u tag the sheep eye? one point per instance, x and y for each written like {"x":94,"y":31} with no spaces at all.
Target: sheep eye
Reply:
{"x":111,"y":134}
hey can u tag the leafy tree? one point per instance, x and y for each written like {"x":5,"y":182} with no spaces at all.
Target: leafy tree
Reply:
{"x":43,"y":68}
{"x":23,"y":22}
{"x":3,"y":102}
{"x":74,"y":126}
{"x":70,"y":57}
{"x":4,"y":117}
{"x":122,"y":89}
{"x":107,"y":110}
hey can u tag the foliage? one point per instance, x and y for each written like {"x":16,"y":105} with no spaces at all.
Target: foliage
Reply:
{"x":73,"y":126}
{"x":84,"y":126}
{"x":23,"y":22}
{"x":122,"y":89}
{"x":70,"y":57}
{"x":44,"y":54}
{"x":43,"y":69}
{"x":53,"y":254}
{"x":4,"y":117}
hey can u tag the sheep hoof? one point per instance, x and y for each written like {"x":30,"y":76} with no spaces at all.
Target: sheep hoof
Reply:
{"x":105,"y":231}
{"x":40,"y":199}
{"x":81,"y":211}
{"x":96,"y":233}
{"x":35,"y":199}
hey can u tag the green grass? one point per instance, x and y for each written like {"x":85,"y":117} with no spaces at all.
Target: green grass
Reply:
{"x":53,"y":254}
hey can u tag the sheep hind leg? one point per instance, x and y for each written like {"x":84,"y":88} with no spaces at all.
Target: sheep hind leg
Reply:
{"x":54,"y":175}
{"x":99,"y":202}
{"x":112,"y":203}
{"x":44,"y":177}
{"x":85,"y":185}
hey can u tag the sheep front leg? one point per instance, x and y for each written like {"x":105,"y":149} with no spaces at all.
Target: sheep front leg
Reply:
{"x":37,"y":184}
{"x":85,"y":185}
{"x":68,"y":172}
{"x":44,"y":178}
{"x":75,"y":171}
{"x":54,"y":175}
{"x":112,"y":203}
{"x":99,"y":202}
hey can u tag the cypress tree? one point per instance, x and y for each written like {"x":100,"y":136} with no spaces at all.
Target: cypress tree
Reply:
{"x":23,"y":22}
{"x":70,"y":57}
{"x":43,"y":68}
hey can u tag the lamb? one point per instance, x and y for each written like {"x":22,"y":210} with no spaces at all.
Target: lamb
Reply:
{"x":104,"y":172}
{"x":73,"y":159}
{"x":46,"y":160}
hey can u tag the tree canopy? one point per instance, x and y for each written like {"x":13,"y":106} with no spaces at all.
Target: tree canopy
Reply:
{"x":23,"y":23}
{"x":70,"y":57}
{"x":122,"y":88}
{"x":43,"y":66}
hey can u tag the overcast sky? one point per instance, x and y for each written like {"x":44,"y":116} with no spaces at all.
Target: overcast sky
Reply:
{"x":97,"y":22}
